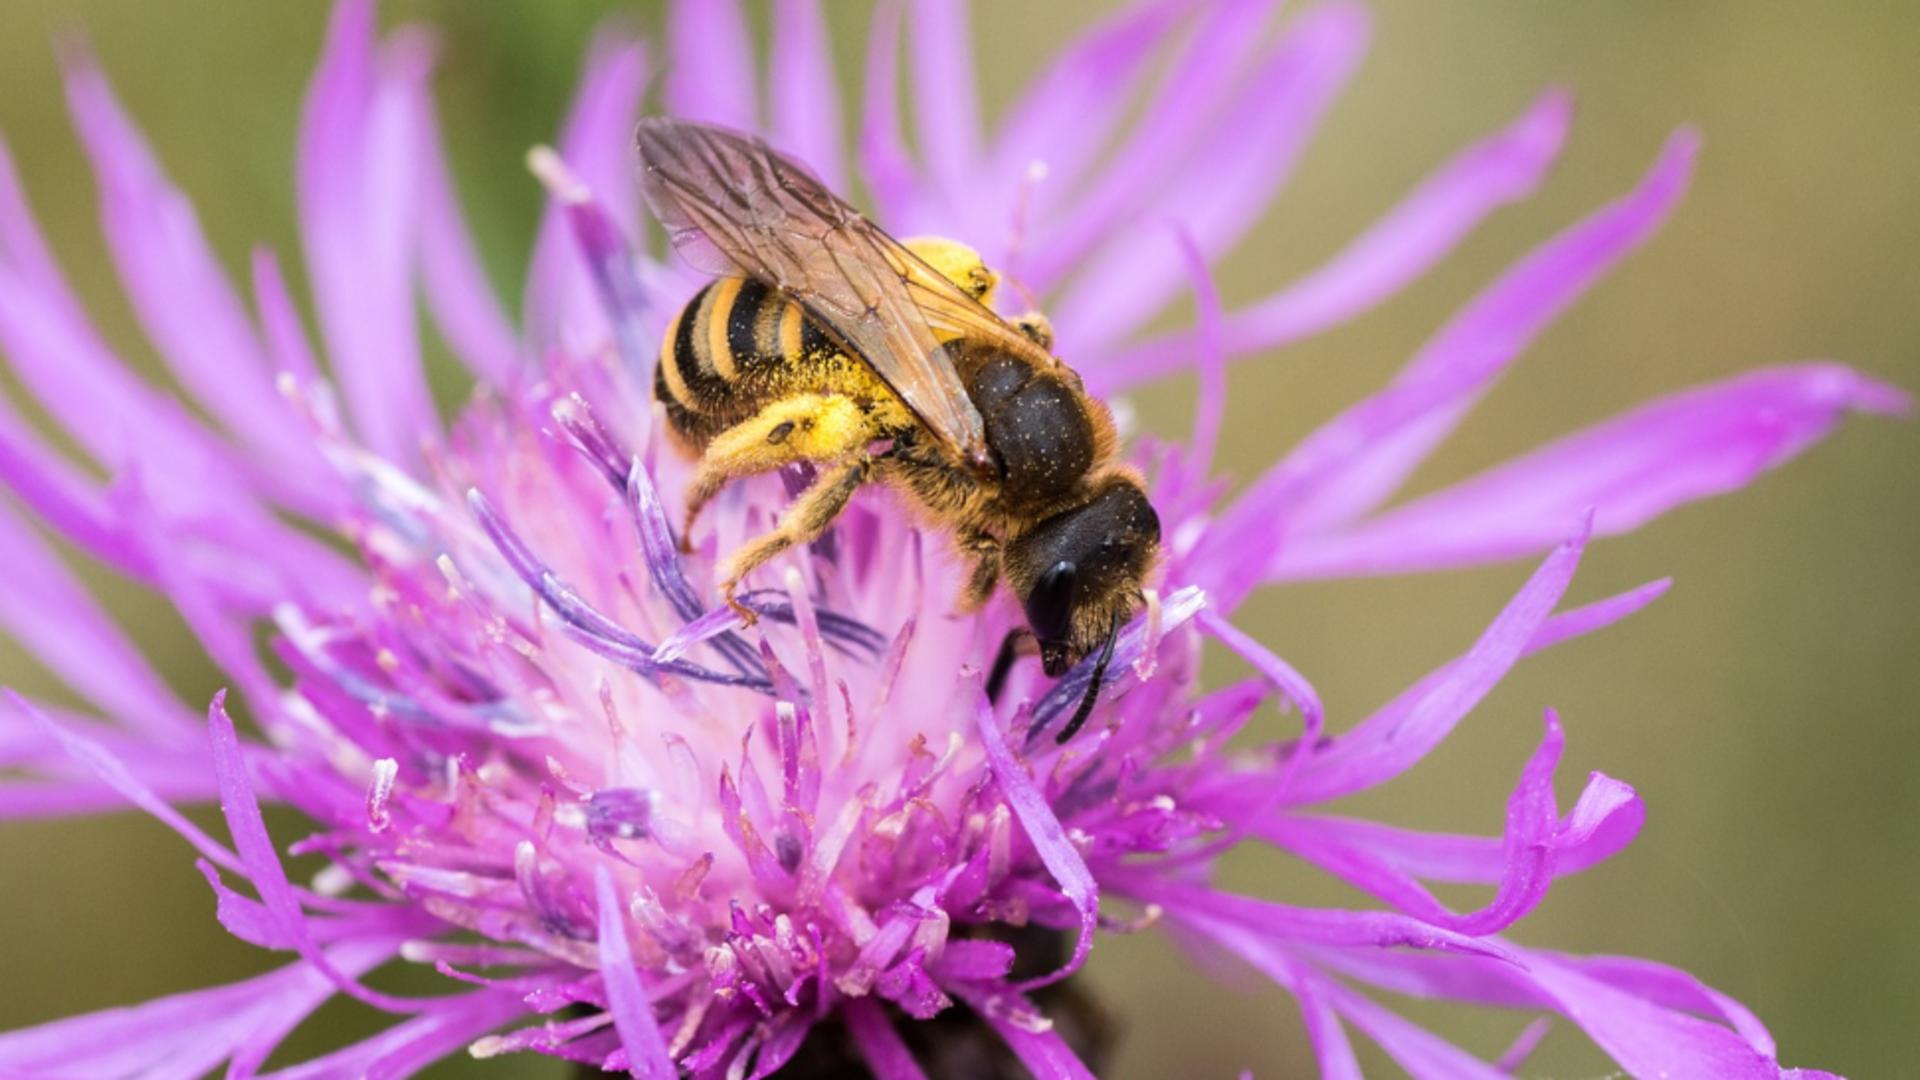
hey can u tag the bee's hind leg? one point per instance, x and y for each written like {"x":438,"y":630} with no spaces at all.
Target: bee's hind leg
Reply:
{"x":803,"y":522}
{"x":805,"y":427}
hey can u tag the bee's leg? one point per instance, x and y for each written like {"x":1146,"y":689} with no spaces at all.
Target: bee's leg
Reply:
{"x":1018,"y":642}
{"x":1037,"y":327}
{"x":806,"y":427}
{"x":984,"y":550}
{"x":803,"y":523}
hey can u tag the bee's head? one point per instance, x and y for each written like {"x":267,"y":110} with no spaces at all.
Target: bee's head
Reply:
{"x":1079,"y":573}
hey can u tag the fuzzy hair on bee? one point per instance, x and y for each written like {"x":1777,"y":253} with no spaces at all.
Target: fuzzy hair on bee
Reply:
{"x":822,"y":340}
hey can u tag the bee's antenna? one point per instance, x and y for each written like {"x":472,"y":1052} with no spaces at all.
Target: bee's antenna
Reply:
{"x":1093,"y":686}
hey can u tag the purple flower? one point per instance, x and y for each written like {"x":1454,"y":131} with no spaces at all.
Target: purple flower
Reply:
{"x":631,"y":832}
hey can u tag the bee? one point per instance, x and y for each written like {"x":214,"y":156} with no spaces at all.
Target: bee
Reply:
{"x":825,"y":341}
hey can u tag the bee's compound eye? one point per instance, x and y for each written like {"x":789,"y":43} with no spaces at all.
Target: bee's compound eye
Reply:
{"x":1050,"y":604}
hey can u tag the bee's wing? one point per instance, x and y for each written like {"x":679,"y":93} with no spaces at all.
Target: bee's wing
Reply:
{"x":734,"y":205}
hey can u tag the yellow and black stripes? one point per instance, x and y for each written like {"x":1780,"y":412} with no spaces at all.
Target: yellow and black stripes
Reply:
{"x":736,"y":345}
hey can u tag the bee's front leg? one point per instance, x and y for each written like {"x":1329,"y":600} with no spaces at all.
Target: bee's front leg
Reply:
{"x":1037,"y":328}
{"x":984,"y":550}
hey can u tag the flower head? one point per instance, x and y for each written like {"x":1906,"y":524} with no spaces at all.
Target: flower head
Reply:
{"x":630,"y":830}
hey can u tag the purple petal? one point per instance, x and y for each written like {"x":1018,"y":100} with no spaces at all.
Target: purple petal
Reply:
{"x":280,"y":320}
{"x":1299,"y":926}
{"x":115,"y":774}
{"x":1324,"y":1001}
{"x":1069,"y":111}
{"x":805,"y":96}
{"x":632,"y":1013}
{"x":945,"y":98}
{"x":262,"y":862}
{"x":601,"y":248}
{"x":48,"y":612}
{"x":1331,"y":1048}
{"x":1598,"y":615}
{"x":1602,"y":823}
{"x":1673,"y":989}
{"x":563,"y":305}
{"x":1390,"y":741}
{"x":1281,"y":674}
{"x":1386,"y":862}
{"x":248,"y":920}
{"x":884,"y":161}
{"x":778,"y":1048}
{"x":185,"y":1035}
{"x":1471,"y":352}
{"x":1631,"y":469}
{"x":1415,"y":235}
{"x":461,"y":299}
{"x":359,"y":195}
{"x":1646,"y":1039}
{"x":1224,"y":184}
{"x":62,"y":495}
{"x":581,"y":621}
{"x":712,"y":72}
{"x":1211,"y":402}
{"x":879,"y":1044}
{"x":1204,"y":78}
{"x":109,"y":411}
{"x":1637,"y":1024}
{"x":1029,"y":1035}
{"x":183,"y":299}
{"x":407,"y":1048}
{"x":1523,"y":1045}
{"x":1049,"y":838}
{"x":1422,"y":1053}
{"x":974,"y":960}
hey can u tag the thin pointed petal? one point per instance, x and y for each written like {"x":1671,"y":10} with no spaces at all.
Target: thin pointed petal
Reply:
{"x":46,"y":610}
{"x":879,"y":1044}
{"x":563,"y":305}
{"x":945,"y":97}
{"x":359,"y":194}
{"x":458,"y":293}
{"x":1392,"y":740}
{"x":1472,"y":351}
{"x":804,"y":95}
{"x":1049,"y":838}
{"x":712,"y":76}
{"x":184,"y":301}
{"x":632,"y":1012}
{"x":1425,"y":227}
{"x":1226,"y":183}
{"x":1630,"y":470}
{"x":1030,"y":1036}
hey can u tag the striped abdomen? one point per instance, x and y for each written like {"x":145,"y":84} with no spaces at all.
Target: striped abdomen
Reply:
{"x":736,"y":346}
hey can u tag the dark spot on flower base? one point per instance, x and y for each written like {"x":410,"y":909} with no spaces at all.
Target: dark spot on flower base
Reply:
{"x":788,"y":851}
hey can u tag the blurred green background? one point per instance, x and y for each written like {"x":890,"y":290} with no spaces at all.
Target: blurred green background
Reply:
{"x":1763,"y":708}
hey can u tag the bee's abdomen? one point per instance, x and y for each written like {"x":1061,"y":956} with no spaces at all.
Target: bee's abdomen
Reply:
{"x":730,"y":350}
